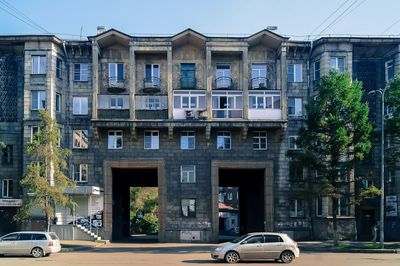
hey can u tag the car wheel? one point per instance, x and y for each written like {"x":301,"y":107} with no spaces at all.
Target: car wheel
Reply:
{"x":287,"y":257}
{"x":231,"y":257}
{"x":37,"y":252}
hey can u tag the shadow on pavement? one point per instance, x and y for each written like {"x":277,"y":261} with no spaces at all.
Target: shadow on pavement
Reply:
{"x":152,"y":250}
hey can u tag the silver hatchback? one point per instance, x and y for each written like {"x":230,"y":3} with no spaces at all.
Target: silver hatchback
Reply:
{"x":258,"y":246}
{"x":33,"y":243}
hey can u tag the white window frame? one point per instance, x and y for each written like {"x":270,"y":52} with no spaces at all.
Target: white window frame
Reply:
{"x":112,"y":139}
{"x":40,"y":95}
{"x":224,"y":135}
{"x":317,"y":70}
{"x":154,"y":140}
{"x":190,"y":203}
{"x":152,"y":68}
{"x":81,"y":178}
{"x":113,"y":77}
{"x":39,"y":63}
{"x":298,"y":106}
{"x":389,"y":64}
{"x":58,"y":101}
{"x":188,"y":135}
{"x":152,"y":103}
{"x":339,"y":211}
{"x":296,"y":213}
{"x":194,"y":100}
{"x":34,"y":128}
{"x":258,"y":136}
{"x":116,"y":102}
{"x":229,"y":196}
{"x":295,"y":146}
{"x":261,"y":102}
{"x":81,"y":133}
{"x":5,"y":188}
{"x":297,"y":69}
{"x":188,"y":175}
{"x":335,"y":65}
{"x":83,"y":72}
{"x":82,"y":107}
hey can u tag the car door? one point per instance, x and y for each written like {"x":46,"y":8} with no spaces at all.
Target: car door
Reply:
{"x":273,"y":246}
{"x":252,"y":248}
{"x":23,"y":245}
{"x":7,"y":243}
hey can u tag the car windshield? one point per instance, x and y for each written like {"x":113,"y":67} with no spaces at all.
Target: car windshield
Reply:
{"x":237,"y":240}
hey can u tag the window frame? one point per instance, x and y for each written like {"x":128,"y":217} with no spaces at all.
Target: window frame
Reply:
{"x":387,"y":67}
{"x":58,"y":102}
{"x":118,"y":102}
{"x":224,"y":135}
{"x":115,"y":134}
{"x":80,"y":167}
{"x":7,"y":155}
{"x":297,"y":112}
{"x":34,"y":128}
{"x":82,"y":73}
{"x":336,"y":63}
{"x":185,"y":174}
{"x":190,"y":214}
{"x":154,"y":135}
{"x":152,"y":103}
{"x":295,"y":147}
{"x":39,"y":67}
{"x":298,"y":212}
{"x":257,"y":140}
{"x":292,"y":74}
{"x":317,"y":70}
{"x":81,"y":134}
{"x":115,"y":78}
{"x":80,"y":102}
{"x":319,"y":207}
{"x":7,"y":190}
{"x":59,"y":68}
{"x":188,"y":135}
{"x":39,"y":100}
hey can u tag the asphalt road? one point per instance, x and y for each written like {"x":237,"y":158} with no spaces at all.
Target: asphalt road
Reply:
{"x":186,"y":254}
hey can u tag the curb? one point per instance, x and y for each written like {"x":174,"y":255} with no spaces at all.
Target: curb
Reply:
{"x":354,"y":250}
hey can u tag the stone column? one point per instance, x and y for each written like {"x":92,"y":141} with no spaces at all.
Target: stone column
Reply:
{"x":208,"y":77}
{"x":245,"y":83}
{"x":51,"y":57}
{"x":95,"y":77}
{"x":132,"y":81}
{"x":169,"y":83}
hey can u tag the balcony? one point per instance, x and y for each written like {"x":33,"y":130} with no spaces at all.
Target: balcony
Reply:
{"x":188,"y":83}
{"x":223,"y":83}
{"x":227,"y":104}
{"x":116,"y":85}
{"x":151,"y":84}
{"x":151,"y":107}
{"x":259,"y":83}
{"x":113,"y":106}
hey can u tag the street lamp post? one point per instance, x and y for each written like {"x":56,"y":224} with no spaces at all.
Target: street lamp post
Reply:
{"x":382,"y":199}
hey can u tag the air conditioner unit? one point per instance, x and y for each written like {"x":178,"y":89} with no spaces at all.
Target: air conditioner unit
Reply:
{"x":190,"y":114}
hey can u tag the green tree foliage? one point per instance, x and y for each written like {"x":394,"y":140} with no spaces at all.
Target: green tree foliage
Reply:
{"x":392,"y":126}
{"x":45,"y":181}
{"x":2,"y":145}
{"x":335,"y":139}
{"x":143,"y":210}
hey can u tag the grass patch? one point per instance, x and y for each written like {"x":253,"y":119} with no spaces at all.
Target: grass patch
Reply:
{"x":367,"y":246}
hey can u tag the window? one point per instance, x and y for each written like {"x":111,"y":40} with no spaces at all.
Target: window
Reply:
{"x":255,"y":240}
{"x":295,"y":106}
{"x":81,"y":72}
{"x":188,"y":207}
{"x":115,"y":139}
{"x":39,"y":64}
{"x":227,"y":104}
{"x":337,"y":63}
{"x":116,"y":102}
{"x":259,"y":76}
{"x":189,"y":100}
{"x":223,"y":140}
{"x":317,"y":70}
{"x":260,"y":140}
{"x":7,"y":158}
{"x":59,"y":68}
{"x":188,"y":76}
{"x":295,"y":73}
{"x":80,"y":139}
{"x":7,"y":188}
{"x":152,"y":103}
{"x":293,"y":143}
{"x":295,"y":171}
{"x":80,"y":173}
{"x":151,"y":140}
{"x":38,"y":100}
{"x":115,"y":73}
{"x":59,"y":137}
{"x":261,"y":101}
{"x":58,"y":102}
{"x":188,"y":140}
{"x":229,"y":196}
{"x":80,"y":106}
{"x":152,"y":75}
{"x":272,"y":239}
{"x":34,"y":132}
{"x":391,"y":175}
{"x":188,"y":174}
{"x":366,"y":183}
{"x":11,"y":237}
{"x":296,"y":208}
{"x":223,"y":76}
{"x":389,"y":70}
{"x":318,"y":207}
{"x":25,"y":236}
{"x":39,"y":237}
{"x":343,"y":208}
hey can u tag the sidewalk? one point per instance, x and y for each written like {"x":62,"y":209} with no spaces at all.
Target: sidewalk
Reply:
{"x":349,"y":247}
{"x":79,"y":245}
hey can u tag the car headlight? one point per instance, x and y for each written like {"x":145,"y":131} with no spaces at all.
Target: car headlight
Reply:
{"x":218,"y":249}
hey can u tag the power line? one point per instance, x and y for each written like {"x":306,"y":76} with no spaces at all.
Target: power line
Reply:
{"x":338,"y":17}
{"x":325,"y":20}
{"x":348,"y":13}
{"x":391,"y":26}
{"x":21,"y":16}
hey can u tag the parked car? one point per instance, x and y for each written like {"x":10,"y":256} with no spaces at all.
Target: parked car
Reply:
{"x":37,"y":244}
{"x":258,"y":246}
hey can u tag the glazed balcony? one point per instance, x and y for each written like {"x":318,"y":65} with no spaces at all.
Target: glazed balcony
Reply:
{"x":151,"y":84}
{"x":188,"y":83}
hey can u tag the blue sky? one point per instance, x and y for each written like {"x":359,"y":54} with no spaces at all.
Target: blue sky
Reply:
{"x":293,"y":17}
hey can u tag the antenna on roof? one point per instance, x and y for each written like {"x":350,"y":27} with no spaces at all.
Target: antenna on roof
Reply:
{"x":271,"y":28}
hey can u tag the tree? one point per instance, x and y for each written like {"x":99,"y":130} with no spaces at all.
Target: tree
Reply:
{"x":143,"y":209}
{"x":2,"y":145}
{"x":45,"y":181}
{"x":392,"y":127}
{"x":335,"y":139}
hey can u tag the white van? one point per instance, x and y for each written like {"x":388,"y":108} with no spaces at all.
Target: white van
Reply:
{"x":35,"y":243}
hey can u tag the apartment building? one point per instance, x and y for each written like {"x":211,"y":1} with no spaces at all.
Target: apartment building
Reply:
{"x":187,"y":114}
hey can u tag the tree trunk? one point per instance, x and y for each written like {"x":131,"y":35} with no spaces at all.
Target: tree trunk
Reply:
{"x":334,"y":222}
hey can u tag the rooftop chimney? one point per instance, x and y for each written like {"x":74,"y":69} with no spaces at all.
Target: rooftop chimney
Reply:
{"x":101,"y":29}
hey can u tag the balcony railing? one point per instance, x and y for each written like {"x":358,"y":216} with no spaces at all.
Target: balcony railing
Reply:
{"x":151,"y":84}
{"x":116,"y":84}
{"x":188,"y":83}
{"x":223,"y":83}
{"x":259,"y":83}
